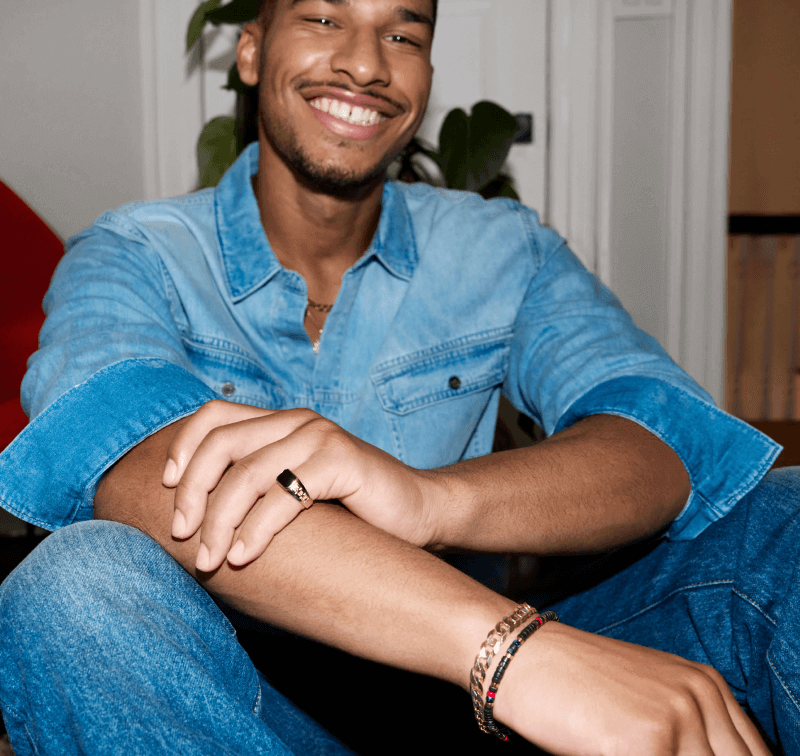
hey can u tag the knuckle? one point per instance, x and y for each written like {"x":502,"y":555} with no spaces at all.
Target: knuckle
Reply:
{"x":681,"y":702}
{"x":220,"y":437}
{"x":212,"y":408}
{"x":243,"y":473}
{"x":306,"y":416}
{"x":704,"y":680}
{"x":320,"y":426}
{"x":715,"y":677}
{"x":217,"y":435}
{"x":658,"y":735}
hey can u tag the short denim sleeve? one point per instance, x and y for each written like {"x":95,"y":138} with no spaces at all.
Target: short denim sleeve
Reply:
{"x":110,"y":371}
{"x":724,"y":456}
{"x":577,"y":353}
{"x":53,"y":484}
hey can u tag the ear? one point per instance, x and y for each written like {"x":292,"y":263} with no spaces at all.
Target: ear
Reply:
{"x":248,"y":53}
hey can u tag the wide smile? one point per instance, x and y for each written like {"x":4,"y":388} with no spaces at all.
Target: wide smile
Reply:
{"x":342,"y":111}
{"x":350,"y":114}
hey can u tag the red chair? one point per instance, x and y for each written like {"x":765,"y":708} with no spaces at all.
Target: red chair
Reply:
{"x":29,"y":251}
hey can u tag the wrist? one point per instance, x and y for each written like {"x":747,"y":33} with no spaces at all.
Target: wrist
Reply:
{"x":443,"y":497}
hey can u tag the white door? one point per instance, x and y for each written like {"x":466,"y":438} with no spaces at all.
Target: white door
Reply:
{"x":495,"y":50}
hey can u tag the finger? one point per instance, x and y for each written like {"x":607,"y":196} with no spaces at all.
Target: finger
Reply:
{"x":277,"y":508}
{"x":239,"y":490}
{"x":264,"y":521}
{"x":719,"y":719}
{"x":724,"y":737}
{"x":747,"y":730}
{"x":222,"y":446}
{"x":190,"y":436}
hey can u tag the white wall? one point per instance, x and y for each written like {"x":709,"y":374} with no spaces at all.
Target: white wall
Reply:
{"x":71,"y":107}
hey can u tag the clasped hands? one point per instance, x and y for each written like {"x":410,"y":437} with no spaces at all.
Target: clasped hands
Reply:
{"x":225,"y":460}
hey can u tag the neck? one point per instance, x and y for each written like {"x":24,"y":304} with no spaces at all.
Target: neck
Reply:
{"x":318,"y":235}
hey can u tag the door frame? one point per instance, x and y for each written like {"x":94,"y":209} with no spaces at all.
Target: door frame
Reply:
{"x":581,"y":149}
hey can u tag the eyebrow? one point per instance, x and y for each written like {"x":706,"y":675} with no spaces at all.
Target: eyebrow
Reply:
{"x":405,"y":14}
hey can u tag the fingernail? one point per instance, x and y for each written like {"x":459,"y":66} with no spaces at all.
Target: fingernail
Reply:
{"x":179,"y":525}
{"x":236,"y":554}
{"x":203,"y":562}
{"x":170,"y":473}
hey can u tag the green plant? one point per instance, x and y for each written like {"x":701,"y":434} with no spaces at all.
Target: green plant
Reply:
{"x":471,"y":153}
{"x":472,"y":147}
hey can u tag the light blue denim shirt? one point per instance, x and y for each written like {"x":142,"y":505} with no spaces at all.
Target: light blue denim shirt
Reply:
{"x":159,"y":307}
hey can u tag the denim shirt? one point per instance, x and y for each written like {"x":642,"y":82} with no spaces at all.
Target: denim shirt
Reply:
{"x":161,"y":306}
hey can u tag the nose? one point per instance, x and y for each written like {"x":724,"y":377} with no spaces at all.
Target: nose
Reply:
{"x":362,"y":58}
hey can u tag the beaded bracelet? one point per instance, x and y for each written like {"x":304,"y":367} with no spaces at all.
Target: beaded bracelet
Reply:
{"x":489,"y":648}
{"x":488,"y":708}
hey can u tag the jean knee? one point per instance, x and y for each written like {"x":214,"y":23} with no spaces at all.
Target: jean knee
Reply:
{"x":69,"y":570}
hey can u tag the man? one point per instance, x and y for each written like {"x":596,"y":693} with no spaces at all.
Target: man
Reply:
{"x":364,"y":331}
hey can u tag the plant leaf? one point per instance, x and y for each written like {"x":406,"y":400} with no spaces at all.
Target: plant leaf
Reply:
{"x":195,"y":30}
{"x":235,"y":12}
{"x":491,"y":134}
{"x":216,"y":149}
{"x":499,"y":186}
{"x":453,"y":148}
{"x":507,"y":190}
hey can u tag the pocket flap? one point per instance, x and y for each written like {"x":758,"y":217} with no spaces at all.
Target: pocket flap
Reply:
{"x":449,"y":371}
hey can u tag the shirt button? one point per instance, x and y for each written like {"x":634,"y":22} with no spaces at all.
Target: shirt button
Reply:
{"x":455,"y":382}
{"x":228,"y":389}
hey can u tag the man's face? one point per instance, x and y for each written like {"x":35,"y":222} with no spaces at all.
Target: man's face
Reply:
{"x":343,"y":86}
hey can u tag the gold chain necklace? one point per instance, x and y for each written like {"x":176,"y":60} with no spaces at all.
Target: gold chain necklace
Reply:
{"x":321,"y":308}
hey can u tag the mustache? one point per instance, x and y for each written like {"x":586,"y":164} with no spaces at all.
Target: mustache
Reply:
{"x":306,"y":84}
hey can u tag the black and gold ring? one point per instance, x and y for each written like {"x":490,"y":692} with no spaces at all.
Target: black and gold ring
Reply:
{"x":290,"y":483}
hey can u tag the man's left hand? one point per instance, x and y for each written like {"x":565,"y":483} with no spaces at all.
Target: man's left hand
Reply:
{"x":237,"y":451}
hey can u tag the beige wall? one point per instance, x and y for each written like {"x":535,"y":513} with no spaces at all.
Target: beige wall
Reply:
{"x":765,"y":108}
{"x":71,"y":107}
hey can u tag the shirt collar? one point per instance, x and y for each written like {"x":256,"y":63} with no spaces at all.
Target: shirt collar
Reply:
{"x":247,"y":257}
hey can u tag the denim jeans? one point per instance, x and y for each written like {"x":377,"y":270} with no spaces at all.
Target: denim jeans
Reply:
{"x":729,"y":598}
{"x":108,"y":646}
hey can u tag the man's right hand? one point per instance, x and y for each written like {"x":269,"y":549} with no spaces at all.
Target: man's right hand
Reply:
{"x":581,"y":694}
{"x":237,"y":452}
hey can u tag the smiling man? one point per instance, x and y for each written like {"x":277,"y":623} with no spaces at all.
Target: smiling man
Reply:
{"x":360,"y":333}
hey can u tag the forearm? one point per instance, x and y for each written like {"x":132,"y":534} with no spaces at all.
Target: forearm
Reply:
{"x":604,"y":482}
{"x":328,"y":575}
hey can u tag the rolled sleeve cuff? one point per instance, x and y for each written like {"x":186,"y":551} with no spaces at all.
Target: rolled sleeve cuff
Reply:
{"x":725,"y":457}
{"x":49,"y":473}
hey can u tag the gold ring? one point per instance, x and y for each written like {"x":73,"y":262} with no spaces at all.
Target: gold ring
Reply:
{"x":290,"y":483}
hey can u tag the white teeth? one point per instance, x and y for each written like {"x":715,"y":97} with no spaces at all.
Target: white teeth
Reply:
{"x":341,"y":110}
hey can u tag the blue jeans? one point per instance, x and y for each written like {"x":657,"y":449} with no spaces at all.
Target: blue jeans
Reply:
{"x":108,"y":646}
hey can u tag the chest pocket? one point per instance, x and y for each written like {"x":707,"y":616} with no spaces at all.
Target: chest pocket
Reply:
{"x":435,"y":399}
{"x":224,"y":368}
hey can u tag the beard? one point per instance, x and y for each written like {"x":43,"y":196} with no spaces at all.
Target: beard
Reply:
{"x":333,"y":180}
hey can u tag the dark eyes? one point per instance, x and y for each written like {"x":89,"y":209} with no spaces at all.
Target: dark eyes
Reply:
{"x":398,"y":38}
{"x":401,"y":39}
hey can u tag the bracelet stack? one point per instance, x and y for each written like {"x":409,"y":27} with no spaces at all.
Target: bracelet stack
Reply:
{"x":484,"y":711}
{"x":489,"y":649}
